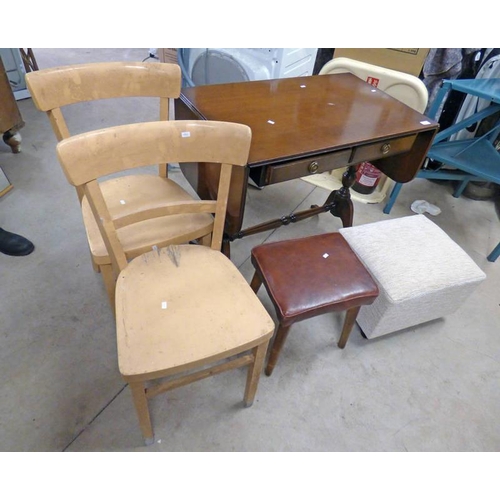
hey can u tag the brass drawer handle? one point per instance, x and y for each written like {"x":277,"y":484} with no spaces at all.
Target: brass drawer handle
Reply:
{"x":313,"y":167}
{"x":385,"y":148}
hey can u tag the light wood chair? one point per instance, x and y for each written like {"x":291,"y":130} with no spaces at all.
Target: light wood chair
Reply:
{"x":184,"y":308}
{"x":55,"y":88}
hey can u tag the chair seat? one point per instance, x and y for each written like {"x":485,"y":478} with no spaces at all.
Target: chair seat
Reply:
{"x":314,"y":275}
{"x":157,"y":332}
{"x":124,"y":195}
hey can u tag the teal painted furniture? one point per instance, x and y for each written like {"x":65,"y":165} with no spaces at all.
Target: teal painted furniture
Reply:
{"x":474,"y":158}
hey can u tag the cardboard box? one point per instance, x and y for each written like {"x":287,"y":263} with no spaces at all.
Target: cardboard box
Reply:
{"x":409,"y":61}
{"x":167,"y":55}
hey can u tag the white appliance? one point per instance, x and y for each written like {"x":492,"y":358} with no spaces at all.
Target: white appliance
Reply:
{"x":14,"y":67}
{"x":203,"y":66}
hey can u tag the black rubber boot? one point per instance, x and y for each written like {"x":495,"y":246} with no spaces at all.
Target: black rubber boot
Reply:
{"x":14,"y":244}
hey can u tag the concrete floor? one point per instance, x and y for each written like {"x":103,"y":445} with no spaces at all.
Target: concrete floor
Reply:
{"x":432,"y":388}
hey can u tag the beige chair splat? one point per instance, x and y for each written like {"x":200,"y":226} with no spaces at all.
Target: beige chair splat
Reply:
{"x":184,"y":312}
{"x":55,"y":88}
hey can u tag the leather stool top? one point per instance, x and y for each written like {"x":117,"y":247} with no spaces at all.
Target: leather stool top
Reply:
{"x":314,"y":275}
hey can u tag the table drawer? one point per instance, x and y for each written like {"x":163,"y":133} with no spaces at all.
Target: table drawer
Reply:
{"x":382,"y":149}
{"x":307,"y":166}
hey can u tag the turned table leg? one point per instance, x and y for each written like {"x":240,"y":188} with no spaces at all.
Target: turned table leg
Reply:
{"x":13,"y":140}
{"x":341,"y":198}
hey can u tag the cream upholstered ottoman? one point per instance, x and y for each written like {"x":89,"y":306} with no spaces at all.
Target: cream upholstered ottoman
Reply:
{"x":422,"y":274}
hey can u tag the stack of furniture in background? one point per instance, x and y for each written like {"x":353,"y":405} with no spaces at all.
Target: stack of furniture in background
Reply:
{"x":474,"y":158}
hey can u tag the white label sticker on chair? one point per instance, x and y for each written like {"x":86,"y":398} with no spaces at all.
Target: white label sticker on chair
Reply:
{"x":122,"y":202}
{"x":164,"y":304}
{"x":325,"y":256}
{"x":270,"y":121}
{"x":185,"y":134}
{"x":425,"y":122}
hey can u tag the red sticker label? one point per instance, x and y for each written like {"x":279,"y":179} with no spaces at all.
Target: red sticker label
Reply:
{"x":373,"y":81}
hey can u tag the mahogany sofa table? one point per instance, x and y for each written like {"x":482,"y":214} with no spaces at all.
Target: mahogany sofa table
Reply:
{"x":303,"y":126}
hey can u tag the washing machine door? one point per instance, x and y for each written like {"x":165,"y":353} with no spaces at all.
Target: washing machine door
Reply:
{"x":212,"y":66}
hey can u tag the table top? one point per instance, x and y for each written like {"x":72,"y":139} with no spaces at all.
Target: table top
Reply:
{"x":295,"y":117}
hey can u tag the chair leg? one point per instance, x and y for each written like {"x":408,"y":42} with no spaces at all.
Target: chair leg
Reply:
{"x":256,"y":282}
{"x":281,"y":336}
{"x":494,"y":254}
{"x":392,"y":198}
{"x":109,"y":282}
{"x":206,"y":240}
{"x":460,"y":189}
{"x":95,"y":266}
{"x":138,"y":390}
{"x":349,"y":321}
{"x":163,"y":170}
{"x":254,"y":371}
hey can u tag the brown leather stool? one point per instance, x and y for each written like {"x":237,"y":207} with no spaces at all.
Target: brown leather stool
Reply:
{"x":309,"y":276}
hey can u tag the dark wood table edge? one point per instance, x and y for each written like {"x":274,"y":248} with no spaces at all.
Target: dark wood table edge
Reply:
{"x":400,"y":168}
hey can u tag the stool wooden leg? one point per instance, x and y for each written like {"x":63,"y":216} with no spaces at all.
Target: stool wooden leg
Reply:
{"x":281,"y":336}
{"x":350,"y":318}
{"x":256,"y":282}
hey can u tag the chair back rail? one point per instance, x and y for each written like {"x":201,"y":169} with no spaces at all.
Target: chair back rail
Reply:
{"x":54,"y":88}
{"x":58,"y":87}
{"x":87,"y":157}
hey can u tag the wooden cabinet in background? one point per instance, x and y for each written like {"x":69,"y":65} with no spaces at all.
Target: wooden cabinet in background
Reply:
{"x":10,"y":116}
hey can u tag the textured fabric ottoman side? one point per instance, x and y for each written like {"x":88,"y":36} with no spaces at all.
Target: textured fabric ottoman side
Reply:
{"x":422,"y":274}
